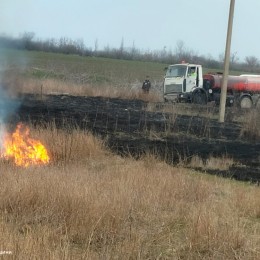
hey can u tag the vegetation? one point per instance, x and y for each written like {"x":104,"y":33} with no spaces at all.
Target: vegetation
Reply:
{"x":90,"y":204}
{"x":48,"y":73}
{"x":251,"y":125}
{"x":91,"y":71}
{"x":63,"y":45}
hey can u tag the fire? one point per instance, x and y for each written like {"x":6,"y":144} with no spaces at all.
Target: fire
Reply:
{"x":24,"y":150}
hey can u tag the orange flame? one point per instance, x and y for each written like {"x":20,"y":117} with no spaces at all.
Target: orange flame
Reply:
{"x":24,"y":150}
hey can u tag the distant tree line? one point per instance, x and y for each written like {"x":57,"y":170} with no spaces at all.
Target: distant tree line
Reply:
{"x":181,"y":53}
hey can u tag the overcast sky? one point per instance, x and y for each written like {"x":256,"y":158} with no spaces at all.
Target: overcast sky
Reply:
{"x":149,"y":24}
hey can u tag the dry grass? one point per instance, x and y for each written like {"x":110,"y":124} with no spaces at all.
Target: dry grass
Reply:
{"x":215,"y":163}
{"x":21,"y":85}
{"x":251,"y":125}
{"x":90,"y":204}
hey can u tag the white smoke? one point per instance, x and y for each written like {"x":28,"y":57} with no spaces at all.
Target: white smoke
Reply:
{"x":3,"y":112}
{"x":8,"y":106}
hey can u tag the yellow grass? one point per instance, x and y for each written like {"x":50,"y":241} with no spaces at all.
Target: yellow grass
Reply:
{"x":218,"y":163}
{"x":90,"y":204}
{"x":251,"y":125}
{"x":21,"y":85}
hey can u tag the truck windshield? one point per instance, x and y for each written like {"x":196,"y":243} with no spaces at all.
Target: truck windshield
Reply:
{"x":176,"y":71}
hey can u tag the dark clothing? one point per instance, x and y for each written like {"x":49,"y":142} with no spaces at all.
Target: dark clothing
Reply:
{"x":146,"y":86}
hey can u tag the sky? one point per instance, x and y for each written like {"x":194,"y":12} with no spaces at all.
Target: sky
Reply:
{"x":149,"y":25}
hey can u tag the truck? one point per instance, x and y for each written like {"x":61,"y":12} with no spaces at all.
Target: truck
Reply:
{"x":186,"y":83}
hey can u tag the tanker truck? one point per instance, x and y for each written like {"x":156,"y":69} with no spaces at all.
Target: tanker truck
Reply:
{"x":186,"y":83}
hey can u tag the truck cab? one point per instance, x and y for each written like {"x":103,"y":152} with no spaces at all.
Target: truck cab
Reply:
{"x":181,"y":81}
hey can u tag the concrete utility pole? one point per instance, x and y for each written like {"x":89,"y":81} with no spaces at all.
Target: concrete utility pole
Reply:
{"x":223,"y":95}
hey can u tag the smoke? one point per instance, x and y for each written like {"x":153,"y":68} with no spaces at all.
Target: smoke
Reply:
{"x":8,"y":105}
{"x":3,"y":110}
{"x":3,"y":113}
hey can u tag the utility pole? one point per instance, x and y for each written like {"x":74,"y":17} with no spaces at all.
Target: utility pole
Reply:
{"x":223,"y":95}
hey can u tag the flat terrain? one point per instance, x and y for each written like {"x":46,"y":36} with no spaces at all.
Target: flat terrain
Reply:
{"x":128,"y":124}
{"x":135,"y":127}
{"x":129,"y":177}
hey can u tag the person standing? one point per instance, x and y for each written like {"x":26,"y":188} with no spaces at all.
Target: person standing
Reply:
{"x":146,"y":85}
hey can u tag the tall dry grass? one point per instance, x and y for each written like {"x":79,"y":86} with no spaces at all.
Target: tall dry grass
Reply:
{"x":90,"y":204}
{"x":17,"y":85}
{"x":251,"y":125}
{"x":212,"y":162}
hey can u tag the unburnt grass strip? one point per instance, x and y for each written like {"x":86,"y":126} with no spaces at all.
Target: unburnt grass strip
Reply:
{"x":91,"y":204}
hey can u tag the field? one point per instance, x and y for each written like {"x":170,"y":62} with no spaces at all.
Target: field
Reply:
{"x":129,"y":177}
{"x":47,"y":72}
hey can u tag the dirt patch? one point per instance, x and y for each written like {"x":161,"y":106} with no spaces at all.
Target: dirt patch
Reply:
{"x":130,"y":128}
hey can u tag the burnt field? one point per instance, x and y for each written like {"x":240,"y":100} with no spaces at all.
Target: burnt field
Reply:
{"x":132,"y":127}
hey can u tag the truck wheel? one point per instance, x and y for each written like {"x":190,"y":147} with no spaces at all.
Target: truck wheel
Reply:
{"x":199,"y":98}
{"x":246,"y":102}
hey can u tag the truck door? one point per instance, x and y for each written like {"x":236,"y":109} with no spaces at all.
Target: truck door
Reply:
{"x":192,"y":78}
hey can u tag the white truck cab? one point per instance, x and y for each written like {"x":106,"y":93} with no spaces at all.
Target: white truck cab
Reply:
{"x":181,"y":80}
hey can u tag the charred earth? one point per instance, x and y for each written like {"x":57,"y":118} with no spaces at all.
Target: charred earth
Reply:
{"x":129,"y":127}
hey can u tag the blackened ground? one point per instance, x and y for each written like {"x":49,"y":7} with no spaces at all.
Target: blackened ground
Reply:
{"x":130,"y":128}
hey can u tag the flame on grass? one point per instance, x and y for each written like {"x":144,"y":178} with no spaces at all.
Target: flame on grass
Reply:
{"x":24,"y":150}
